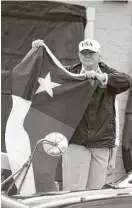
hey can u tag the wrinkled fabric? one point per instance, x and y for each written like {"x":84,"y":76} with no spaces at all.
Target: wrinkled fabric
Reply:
{"x":60,"y":25}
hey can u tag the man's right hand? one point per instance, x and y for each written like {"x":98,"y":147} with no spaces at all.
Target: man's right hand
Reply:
{"x":37,"y":43}
{"x":91,"y":74}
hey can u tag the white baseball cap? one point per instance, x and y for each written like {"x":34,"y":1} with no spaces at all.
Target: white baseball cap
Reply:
{"x":89,"y":44}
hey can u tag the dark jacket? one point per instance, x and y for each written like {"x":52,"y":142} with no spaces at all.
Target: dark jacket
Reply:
{"x":97,"y":126}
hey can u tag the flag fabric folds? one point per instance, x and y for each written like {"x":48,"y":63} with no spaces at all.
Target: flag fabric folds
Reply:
{"x":46,"y":98}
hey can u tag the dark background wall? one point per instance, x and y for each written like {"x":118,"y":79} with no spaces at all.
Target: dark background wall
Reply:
{"x":61,"y":26}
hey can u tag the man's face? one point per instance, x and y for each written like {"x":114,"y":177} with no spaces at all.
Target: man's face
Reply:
{"x":89,"y":58}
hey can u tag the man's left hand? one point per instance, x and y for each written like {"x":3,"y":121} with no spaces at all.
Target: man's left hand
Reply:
{"x":111,"y":167}
{"x":93,"y":74}
{"x":101,"y":77}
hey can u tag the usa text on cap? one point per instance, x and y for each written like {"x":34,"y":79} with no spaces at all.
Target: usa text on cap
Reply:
{"x":88,"y":44}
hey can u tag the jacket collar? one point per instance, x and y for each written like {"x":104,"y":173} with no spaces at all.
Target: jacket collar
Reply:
{"x":99,"y":69}
{"x":77,"y":68}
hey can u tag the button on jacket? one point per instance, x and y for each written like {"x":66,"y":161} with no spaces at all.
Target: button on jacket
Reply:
{"x":97,"y":126}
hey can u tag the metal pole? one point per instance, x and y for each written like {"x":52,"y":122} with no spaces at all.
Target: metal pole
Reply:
{"x":89,"y":29}
{"x":28,"y":163}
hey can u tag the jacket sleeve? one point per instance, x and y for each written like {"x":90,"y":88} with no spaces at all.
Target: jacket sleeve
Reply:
{"x":118,"y":82}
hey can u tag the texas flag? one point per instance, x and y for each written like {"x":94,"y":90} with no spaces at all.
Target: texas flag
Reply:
{"x":46,"y":99}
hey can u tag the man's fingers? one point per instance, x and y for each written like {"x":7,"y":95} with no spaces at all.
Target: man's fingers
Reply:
{"x":91,"y":74}
{"x":37,"y":43}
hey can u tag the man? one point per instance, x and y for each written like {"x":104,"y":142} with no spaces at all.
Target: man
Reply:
{"x":86,"y":160}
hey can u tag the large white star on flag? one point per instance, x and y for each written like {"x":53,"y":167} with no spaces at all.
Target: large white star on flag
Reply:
{"x":46,"y":85}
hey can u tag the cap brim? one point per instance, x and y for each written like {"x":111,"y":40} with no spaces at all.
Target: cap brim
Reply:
{"x":88,"y":50}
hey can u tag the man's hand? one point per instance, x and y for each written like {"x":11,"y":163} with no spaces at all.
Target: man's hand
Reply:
{"x":101,"y":77}
{"x":37,"y":43}
{"x":93,"y":74}
{"x":111,"y":164}
{"x":112,"y":160}
{"x":111,"y":167}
